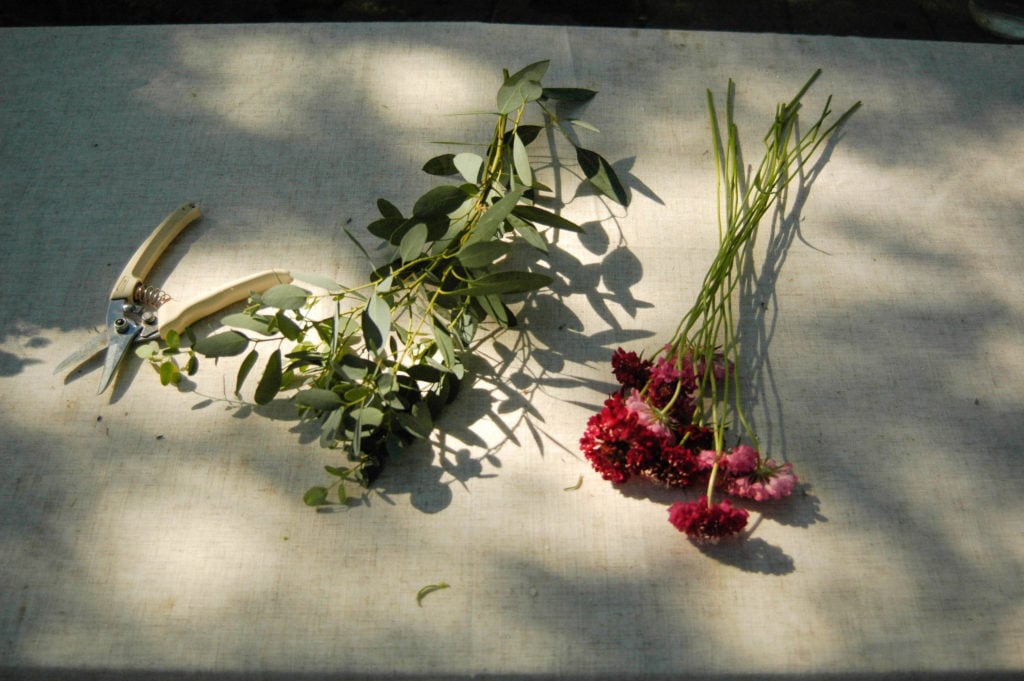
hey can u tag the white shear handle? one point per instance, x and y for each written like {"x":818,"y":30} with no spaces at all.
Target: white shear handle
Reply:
{"x":177,"y":316}
{"x":152,"y":248}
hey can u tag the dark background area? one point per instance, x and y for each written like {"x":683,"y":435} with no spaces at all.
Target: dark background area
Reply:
{"x":947,"y":20}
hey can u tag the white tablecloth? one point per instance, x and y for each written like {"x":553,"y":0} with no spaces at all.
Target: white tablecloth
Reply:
{"x":148,"y":530}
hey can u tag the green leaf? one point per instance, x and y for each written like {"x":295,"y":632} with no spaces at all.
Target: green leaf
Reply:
{"x":573,"y":488}
{"x":545,"y":217}
{"x":413,"y":241}
{"x":417,"y":421}
{"x":260,"y":325}
{"x":504,"y":282}
{"x":441,"y":165}
{"x":439,"y":201}
{"x":493,"y":306}
{"x":601,"y":175}
{"x":574,"y":95}
{"x":388,"y":209}
{"x":521,"y":160}
{"x":148,"y":351}
{"x":320,"y":281}
{"x":339,"y":472}
{"x":192,"y":365}
{"x":482,"y":253}
{"x":444,"y":344}
{"x":469,"y":166}
{"x":376,"y":322}
{"x":521,"y":87}
{"x":529,"y":234}
{"x":492,"y":219}
{"x":287,"y":326}
{"x":243,"y":371}
{"x":582,"y":124}
{"x":285,"y":297}
{"x":385,"y":227}
{"x":429,"y":589}
{"x":225,"y":344}
{"x":368,"y":417}
{"x":270,"y":382}
{"x":319,"y":399}
{"x":173,"y":340}
{"x":528,"y":133}
{"x":315,"y":496}
{"x":169,"y":373}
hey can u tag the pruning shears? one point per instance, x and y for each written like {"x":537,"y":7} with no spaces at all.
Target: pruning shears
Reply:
{"x":138,"y":312}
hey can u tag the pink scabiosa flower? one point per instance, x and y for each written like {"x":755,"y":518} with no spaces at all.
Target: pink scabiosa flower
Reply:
{"x":741,"y":460}
{"x":705,"y":523}
{"x":768,"y":480}
{"x":646,"y":414}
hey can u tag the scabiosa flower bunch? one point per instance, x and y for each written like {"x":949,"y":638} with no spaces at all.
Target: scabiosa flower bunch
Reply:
{"x":667,"y":422}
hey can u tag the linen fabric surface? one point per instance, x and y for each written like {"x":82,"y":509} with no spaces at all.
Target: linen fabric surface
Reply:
{"x":154,"y":530}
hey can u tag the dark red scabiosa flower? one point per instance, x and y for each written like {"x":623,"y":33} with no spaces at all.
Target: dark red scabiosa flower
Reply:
{"x":630,"y":371}
{"x":675,"y":466}
{"x":615,"y":441}
{"x":706,"y":523}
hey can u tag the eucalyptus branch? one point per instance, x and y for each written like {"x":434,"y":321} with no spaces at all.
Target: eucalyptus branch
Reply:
{"x":374,"y":376}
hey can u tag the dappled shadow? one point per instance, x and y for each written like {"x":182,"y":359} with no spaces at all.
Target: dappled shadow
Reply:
{"x":136,"y":534}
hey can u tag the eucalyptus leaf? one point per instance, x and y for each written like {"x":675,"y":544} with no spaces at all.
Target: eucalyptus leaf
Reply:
{"x":376,"y":322}
{"x":287,"y":326}
{"x":319,"y":399}
{"x":148,"y":350}
{"x":368,"y":417}
{"x":504,"y":282}
{"x":601,"y":175}
{"x":320,"y":281}
{"x":545,"y":217}
{"x":444,"y":344}
{"x":494,"y":308}
{"x":243,"y":371}
{"x":315,"y":496}
{"x":260,"y":325}
{"x":417,"y":422}
{"x":169,"y":373}
{"x":492,"y":219}
{"x":385,"y":227}
{"x":224,"y":344}
{"x":173,"y":340}
{"x":270,"y":382}
{"x":521,"y":160}
{"x":574,"y":95}
{"x":388,"y":209}
{"x":582,"y":124}
{"x":285,"y":297}
{"x":521,"y":87}
{"x":469,"y":166}
{"x":439,"y":201}
{"x":441,"y":165}
{"x":529,"y":234}
{"x":412,"y":243}
{"x":192,"y":365}
{"x":482,"y":253}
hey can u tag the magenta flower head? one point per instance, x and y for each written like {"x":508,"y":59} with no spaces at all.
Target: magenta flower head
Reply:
{"x":630,"y":371}
{"x":741,"y":460}
{"x":647,"y":414}
{"x":705,"y":523}
{"x":768,"y":480}
{"x":610,"y":436}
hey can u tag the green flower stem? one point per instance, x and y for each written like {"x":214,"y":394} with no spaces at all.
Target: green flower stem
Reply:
{"x":708,"y":331}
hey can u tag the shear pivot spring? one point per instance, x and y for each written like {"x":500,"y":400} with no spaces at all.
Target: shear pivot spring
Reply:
{"x":150,"y":296}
